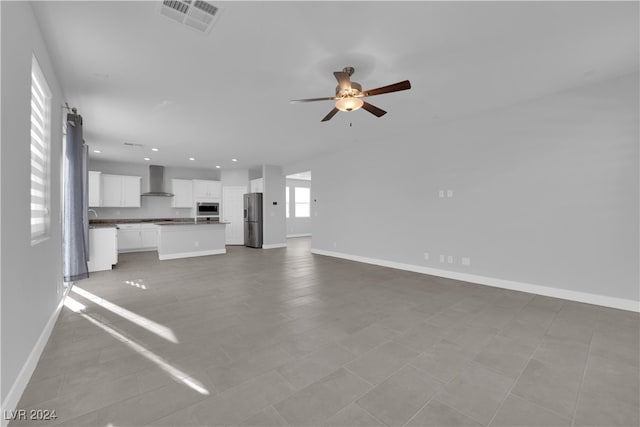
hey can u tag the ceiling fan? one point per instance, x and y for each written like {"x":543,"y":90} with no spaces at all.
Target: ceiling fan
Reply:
{"x":349,"y":94}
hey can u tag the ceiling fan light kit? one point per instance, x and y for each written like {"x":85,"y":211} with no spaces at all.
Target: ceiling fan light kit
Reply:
{"x":349,"y":94}
{"x":349,"y":104}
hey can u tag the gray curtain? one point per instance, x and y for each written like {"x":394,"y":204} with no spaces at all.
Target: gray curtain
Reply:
{"x":75,"y":213}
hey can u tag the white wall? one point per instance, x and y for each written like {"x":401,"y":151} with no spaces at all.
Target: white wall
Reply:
{"x":545,"y":193}
{"x":150,"y":207}
{"x":30,"y":296}
{"x":297,"y":226}
{"x":255,"y":173}
{"x":274,"y":226}
{"x":235,"y":178}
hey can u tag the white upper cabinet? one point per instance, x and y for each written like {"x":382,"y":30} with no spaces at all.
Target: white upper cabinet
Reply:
{"x":204,"y":190}
{"x":111,"y":190}
{"x":130,"y":191}
{"x":95,"y":189}
{"x":120,"y":191}
{"x":257,"y":185}
{"x":182,"y":190}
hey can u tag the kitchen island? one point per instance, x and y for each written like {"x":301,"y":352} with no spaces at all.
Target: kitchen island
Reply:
{"x":171,"y":237}
{"x":185,"y":239}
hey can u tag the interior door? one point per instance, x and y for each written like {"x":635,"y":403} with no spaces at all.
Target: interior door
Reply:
{"x":233,"y":213}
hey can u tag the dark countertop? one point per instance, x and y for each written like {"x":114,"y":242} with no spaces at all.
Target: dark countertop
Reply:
{"x":191,"y":222}
{"x":107,"y":223}
{"x":102,"y":225}
{"x":114,"y":221}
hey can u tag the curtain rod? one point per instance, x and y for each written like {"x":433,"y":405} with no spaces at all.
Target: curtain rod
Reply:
{"x":73,"y":117}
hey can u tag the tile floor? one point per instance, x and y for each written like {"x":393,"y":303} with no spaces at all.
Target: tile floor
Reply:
{"x":282,"y":337}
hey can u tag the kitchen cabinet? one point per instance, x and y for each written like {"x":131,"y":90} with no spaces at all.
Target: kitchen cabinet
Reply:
{"x":182,"y":190}
{"x":95,"y":189}
{"x":103,"y":248}
{"x":149,"y":236}
{"x":207,"y":191}
{"x":137,"y":237}
{"x":129,"y":237}
{"x":257,"y":185}
{"x":120,"y":191}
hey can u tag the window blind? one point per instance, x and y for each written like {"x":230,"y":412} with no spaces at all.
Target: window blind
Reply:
{"x":40,"y":142}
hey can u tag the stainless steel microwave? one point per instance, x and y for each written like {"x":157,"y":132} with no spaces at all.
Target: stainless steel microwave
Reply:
{"x":208,"y":210}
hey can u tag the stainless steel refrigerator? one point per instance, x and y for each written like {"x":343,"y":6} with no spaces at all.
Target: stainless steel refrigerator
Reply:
{"x":253,"y":220}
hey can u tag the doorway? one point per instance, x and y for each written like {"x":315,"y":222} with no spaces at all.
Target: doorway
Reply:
{"x":233,"y":213}
{"x":298,"y":206}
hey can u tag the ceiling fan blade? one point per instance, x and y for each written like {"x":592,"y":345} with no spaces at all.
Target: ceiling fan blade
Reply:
{"x":378,"y":112}
{"x":343,"y":80}
{"x":293,"y":101}
{"x":390,"y":88}
{"x":330,"y":115}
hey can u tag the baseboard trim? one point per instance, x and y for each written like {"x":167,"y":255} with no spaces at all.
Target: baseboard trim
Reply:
{"x":192,"y":254}
{"x":584,"y":297}
{"x":274,"y":246}
{"x":128,"y":251}
{"x":15,"y":393}
{"x":299,"y":235}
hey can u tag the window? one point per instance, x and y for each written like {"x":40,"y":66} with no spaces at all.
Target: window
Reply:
{"x":302,"y":199}
{"x":40,"y":141}
{"x":286,"y":201}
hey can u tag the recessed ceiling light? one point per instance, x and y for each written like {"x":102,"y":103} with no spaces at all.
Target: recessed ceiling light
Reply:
{"x":154,"y":149}
{"x":192,"y":158}
{"x":147,"y":158}
{"x":97,"y":151}
{"x":234,"y":160}
{"x":217,"y":166}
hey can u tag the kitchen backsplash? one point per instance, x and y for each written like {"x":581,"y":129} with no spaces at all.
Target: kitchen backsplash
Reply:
{"x":150,"y":207}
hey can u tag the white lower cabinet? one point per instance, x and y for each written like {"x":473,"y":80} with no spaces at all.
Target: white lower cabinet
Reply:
{"x":137,"y":237}
{"x":103,"y":251}
{"x":128,"y":239}
{"x":149,"y":237}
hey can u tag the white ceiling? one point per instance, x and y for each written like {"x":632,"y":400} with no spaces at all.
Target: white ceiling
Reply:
{"x":138,"y":77}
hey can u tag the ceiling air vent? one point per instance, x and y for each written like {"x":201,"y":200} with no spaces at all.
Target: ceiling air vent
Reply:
{"x":199,"y":15}
{"x":133,"y":144}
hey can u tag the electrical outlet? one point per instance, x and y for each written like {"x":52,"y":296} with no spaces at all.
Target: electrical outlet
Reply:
{"x":450,"y":259}
{"x":335,"y":244}
{"x":196,"y":244}
{"x":449,"y":193}
{"x":466,"y":261}
{"x":426,"y":256}
{"x":441,"y":194}
{"x":441,"y":258}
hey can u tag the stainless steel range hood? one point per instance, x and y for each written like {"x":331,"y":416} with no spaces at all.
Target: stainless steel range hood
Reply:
{"x":156,"y":182}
